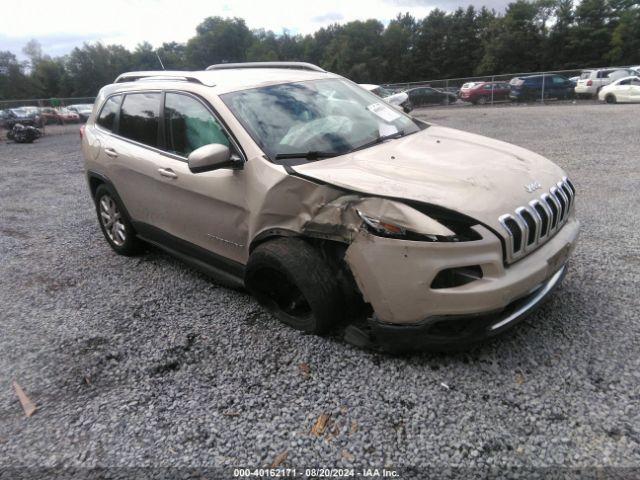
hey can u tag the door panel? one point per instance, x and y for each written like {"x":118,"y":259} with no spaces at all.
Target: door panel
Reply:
{"x":206,"y":209}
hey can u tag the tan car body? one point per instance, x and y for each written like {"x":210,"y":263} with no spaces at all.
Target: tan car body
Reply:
{"x":229,"y":211}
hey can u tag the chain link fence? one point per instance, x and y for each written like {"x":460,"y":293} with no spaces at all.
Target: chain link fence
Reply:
{"x":541,"y":87}
{"x":64,"y":115}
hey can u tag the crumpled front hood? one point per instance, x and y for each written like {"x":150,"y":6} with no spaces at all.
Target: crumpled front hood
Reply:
{"x":471,"y":174}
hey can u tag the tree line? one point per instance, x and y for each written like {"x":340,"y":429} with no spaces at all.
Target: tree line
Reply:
{"x":532,"y":35}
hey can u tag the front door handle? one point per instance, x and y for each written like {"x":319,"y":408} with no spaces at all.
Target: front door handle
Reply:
{"x":111,"y":152}
{"x":167,"y":172}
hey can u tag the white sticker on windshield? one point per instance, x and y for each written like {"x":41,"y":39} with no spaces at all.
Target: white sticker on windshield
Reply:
{"x":385,"y":129}
{"x":386,"y":113}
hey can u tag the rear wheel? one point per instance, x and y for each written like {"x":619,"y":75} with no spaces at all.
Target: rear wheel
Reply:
{"x":289,"y":277}
{"x":482,"y":101}
{"x":115,"y":225}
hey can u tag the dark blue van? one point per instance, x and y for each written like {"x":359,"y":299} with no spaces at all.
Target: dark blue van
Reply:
{"x":530,"y":87}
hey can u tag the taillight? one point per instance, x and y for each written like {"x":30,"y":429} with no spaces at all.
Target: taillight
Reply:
{"x":82,"y":131}
{"x":589,"y":83}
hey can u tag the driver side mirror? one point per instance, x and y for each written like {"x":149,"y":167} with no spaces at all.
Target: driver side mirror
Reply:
{"x":212,"y":157}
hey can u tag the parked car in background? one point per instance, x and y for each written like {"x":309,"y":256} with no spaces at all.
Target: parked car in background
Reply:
{"x":534,"y":87}
{"x":68,"y":116}
{"x":421,"y":96}
{"x":398,"y":100}
{"x":82,"y":109}
{"x":24,"y":115}
{"x":4,"y":116}
{"x":636,"y":69}
{"x":591,"y":81}
{"x":624,"y":90}
{"x":59,"y":115}
{"x":484,"y":92}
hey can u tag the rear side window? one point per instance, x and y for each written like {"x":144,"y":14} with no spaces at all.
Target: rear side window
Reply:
{"x":189,"y":125}
{"x":107,"y":116}
{"x":139,"y":118}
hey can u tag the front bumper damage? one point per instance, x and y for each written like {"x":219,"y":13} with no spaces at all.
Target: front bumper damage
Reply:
{"x":395,"y":278}
{"x":451,"y":332}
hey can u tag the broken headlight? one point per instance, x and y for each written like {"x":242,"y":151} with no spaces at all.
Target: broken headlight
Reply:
{"x":385,"y":228}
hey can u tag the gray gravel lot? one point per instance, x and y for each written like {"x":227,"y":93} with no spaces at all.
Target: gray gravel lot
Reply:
{"x":144,"y":362}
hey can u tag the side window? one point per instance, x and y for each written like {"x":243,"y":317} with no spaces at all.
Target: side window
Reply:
{"x":139,"y":118}
{"x":107,"y":115}
{"x":189,"y":125}
{"x":625,"y":82}
{"x":635,"y":81}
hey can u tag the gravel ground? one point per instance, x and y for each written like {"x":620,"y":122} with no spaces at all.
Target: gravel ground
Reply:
{"x":146,"y":363}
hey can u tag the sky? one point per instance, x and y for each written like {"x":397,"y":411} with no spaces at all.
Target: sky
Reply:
{"x":61,"y":25}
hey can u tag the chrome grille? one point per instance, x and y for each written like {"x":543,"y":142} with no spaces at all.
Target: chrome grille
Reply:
{"x":532,"y":225}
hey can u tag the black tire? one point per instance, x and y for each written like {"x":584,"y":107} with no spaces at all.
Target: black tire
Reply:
{"x":481,"y":101}
{"x":131,"y":245}
{"x":610,"y":98}
{"x":290,"y":278}
{"x":407,"y":107}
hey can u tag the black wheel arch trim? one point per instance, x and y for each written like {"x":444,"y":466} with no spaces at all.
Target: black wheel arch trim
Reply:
{"x":92,"y":175}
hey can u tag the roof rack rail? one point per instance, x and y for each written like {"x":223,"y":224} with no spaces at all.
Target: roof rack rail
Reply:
{"x":159,"y":75}
{"x":291,"y":65}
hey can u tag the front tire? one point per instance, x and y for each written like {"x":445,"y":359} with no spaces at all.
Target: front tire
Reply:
{"x":290,"y":278}
{"x":114,"y":223}
{"x":610,"y":98}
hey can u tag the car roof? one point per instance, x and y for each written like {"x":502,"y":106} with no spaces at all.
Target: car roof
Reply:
{"x":626,"y":78}
{"x":220,"y":81}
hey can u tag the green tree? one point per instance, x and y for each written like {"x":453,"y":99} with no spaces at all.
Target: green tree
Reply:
{"x":13,"y":81}
{"x":625,"y":38}
{"x":356,"y":51}
{"x":144,"y":58}
{"x":173,"y":55}
{"x":398,"y":48}
{"x":219,"y":40}
{"x":95,"y":65}
{"x":515,"y":41}
{"x":590,"y":38}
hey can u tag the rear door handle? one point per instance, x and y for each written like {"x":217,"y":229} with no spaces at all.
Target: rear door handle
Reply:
{"x":111,"y":152}
{"x":167,"y":172}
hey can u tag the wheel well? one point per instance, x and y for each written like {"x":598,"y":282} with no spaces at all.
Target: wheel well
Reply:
{"x":333,"y":253}
{"x":94,"y":183}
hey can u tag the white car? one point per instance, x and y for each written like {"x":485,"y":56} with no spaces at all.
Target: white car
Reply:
{"x":398,"y":100}
{"x":624,"y":90}
{"x":591,"y":81}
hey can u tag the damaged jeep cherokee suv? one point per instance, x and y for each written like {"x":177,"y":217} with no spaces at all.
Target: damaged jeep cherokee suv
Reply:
{"x":331,"y":207}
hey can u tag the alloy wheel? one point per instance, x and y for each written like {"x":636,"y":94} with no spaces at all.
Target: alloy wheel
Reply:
{"x":112,"y":221}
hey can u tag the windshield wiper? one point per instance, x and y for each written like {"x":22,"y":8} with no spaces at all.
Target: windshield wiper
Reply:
{"x":310,"y":155}
{"x":380,"y":139}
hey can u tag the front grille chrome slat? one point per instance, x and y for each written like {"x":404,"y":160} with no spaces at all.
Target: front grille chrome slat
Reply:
{"x":530,"y":226}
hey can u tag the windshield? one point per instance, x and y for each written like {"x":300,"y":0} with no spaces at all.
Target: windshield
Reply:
{"x":330,"y":116}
